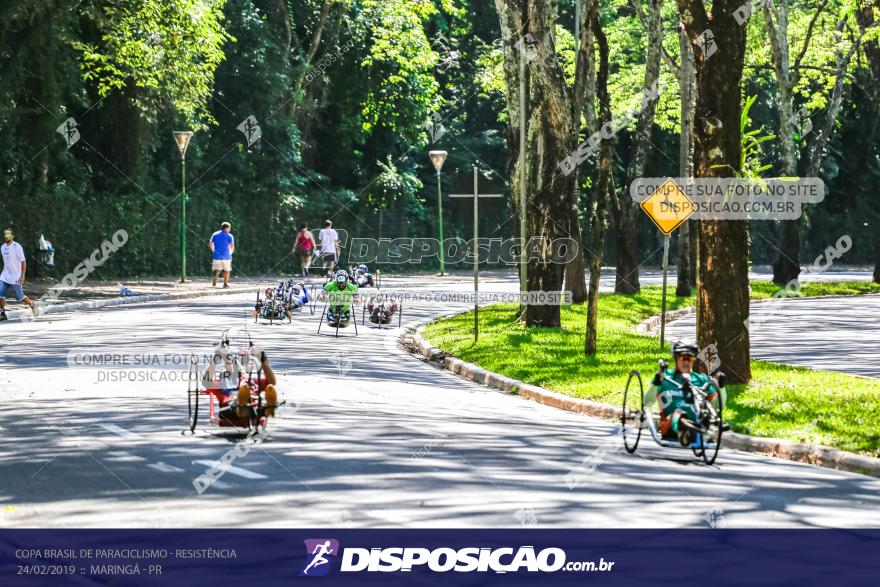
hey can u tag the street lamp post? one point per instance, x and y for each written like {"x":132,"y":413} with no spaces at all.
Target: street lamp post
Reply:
{"x":182,"y":137}
{"x":438,"y":158}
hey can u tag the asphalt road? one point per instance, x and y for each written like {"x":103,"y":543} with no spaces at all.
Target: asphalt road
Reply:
{"x":834,"y":334}
{"x":373,"y":437}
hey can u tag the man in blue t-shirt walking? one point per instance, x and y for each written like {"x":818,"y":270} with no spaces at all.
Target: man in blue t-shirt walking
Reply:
{"x":222,"y":248}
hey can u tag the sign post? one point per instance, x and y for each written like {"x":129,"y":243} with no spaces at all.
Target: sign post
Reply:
{"x":476,"y":196}
{"x":669,"y":208}
{"x":663,"y":303}
{"x":182,"y":137}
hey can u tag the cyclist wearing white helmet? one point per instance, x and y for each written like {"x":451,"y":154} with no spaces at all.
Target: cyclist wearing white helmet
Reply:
{"x":340,"y":293}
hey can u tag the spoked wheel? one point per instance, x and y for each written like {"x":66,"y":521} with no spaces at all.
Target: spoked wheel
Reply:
{"x":192,"y":393}
{"x":712,"y":435}
{"x":633,"y":411}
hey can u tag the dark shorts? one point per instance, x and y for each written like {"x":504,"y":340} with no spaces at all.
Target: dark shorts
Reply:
{"x":340,"y":316}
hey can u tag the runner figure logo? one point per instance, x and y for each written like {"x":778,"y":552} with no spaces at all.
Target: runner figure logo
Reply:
{"x":68,"y":129}
{"x":317,"y":552}
{"x":250,"y":129}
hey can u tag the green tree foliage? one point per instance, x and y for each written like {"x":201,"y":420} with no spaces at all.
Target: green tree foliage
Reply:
{"x":170,"y":49}
{"x":348,"y":96}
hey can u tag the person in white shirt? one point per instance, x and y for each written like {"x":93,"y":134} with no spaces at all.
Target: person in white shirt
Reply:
{"x":14,"y":269}
{"x":329,"y":239}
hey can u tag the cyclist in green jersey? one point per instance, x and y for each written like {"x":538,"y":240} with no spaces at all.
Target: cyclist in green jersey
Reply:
{"x":676,"y":403}
{"x":340,"y":292}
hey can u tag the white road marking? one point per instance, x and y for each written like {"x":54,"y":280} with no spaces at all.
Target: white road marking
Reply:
{"x":165,"y":468}
{"x":226,"y":468}
{"x":121,"y":454}
{"x":120,"y":431}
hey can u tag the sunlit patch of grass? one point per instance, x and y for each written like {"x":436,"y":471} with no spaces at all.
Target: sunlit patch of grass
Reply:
{"x":781,"y":401}
{"x":766,"y":289}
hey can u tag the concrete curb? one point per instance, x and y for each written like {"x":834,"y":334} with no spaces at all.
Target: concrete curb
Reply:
{"x":122,"y":301}
{"x":413,"y":341}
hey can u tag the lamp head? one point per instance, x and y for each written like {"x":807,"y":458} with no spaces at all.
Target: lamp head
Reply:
{"x":182,"y":137}
{"x":438,"y":158}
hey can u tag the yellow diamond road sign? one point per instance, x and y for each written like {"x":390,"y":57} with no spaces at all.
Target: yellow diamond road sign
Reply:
{"x":668,"y":207}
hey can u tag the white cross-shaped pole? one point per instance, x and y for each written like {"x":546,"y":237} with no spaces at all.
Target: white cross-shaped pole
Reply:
{"x":476,"y":196}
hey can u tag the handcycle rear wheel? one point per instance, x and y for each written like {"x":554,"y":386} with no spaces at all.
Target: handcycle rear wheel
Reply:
{"x":631,"y":420}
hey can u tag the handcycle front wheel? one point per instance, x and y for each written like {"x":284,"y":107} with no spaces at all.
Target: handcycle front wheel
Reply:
{"x":632,"y":419}
{"x":193,"y":402}
{"x":713,"y":432}
{"x":708,"y":440}
{"x":192,"y":393}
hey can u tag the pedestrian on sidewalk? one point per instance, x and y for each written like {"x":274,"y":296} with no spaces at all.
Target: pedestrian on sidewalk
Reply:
{"x":329,"y":240}
{"x":222,"y":248}
{"x":14,"y":270}
{"x":303,"y":247}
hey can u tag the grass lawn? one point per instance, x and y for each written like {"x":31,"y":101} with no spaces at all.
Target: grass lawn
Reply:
{"x":783,"y":402}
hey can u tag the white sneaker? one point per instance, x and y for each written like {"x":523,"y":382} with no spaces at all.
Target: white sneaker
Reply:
{"x":35,"y":310}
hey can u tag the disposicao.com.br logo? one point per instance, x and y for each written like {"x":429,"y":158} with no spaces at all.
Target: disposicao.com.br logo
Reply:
{"x":442,"y":560}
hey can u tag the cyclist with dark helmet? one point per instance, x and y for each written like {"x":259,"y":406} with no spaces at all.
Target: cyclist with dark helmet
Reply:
{"x":340,"y":292}
{"x":676,"y":403}
{"x":361,"y":276}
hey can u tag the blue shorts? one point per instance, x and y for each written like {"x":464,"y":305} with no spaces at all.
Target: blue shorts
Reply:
{"x":14,"y":287}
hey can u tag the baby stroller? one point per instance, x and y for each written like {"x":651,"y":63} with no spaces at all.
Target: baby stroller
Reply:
{"x":273,"y":307}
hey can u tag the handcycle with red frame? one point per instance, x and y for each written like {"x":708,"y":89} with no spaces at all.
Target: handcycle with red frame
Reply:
{"x":235,"y":386}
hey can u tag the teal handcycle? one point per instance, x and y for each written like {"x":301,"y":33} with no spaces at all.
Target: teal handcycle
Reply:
{"x":638,"y":416}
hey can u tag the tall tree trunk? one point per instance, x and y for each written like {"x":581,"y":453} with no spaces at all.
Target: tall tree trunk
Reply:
{"x":582,"y":104}
{"x":604,"y":186}
{"x":866,"y":19}
{"x":575,"y":270}
{"x":687,"y":86}
{"x":626,"y":279}
{"x":550,"y":140}
{"x":787,"y":266}
{"x":723,"y":253}
{"x":819,"y":148}
{"x":510,"y":19}
{"x":307,"y":54}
